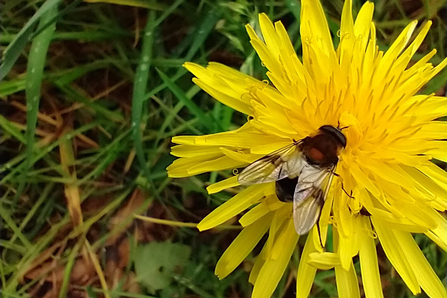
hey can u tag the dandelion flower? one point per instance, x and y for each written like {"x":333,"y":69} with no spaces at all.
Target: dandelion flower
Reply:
{"x":386,"y":186}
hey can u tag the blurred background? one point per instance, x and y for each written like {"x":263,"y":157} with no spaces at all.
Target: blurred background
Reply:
{"x":91,"y":93}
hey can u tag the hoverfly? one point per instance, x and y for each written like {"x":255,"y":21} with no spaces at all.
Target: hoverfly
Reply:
{"x":303,"y":172}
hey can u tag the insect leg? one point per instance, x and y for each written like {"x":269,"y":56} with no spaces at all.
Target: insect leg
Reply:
{"x":342,"y":187}
{"x":319,"y":232}
{"x":349,"y":195}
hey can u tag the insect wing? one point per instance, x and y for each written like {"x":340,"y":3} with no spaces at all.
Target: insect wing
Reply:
{"x":306,"y":214}
{"x":284,"y":162}
{"x":310,"y":194}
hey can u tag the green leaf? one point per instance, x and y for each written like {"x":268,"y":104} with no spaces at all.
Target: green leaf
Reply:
{"x":157,"y":262}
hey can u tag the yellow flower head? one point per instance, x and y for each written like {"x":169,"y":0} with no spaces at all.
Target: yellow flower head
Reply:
{"x":385,"y":186}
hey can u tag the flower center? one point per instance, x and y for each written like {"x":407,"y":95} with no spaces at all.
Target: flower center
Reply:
{"x":351,"y":129}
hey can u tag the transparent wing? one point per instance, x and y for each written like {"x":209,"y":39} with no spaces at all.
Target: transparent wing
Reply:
{"x":310,"y":193}
{"x":306,"y":215}
{"x":284,"y":162}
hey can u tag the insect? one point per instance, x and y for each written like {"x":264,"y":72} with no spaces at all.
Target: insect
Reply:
{"x":303,"y":172}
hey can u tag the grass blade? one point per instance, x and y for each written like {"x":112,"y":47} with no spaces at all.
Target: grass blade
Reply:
{"x":136,"y":3}
{"x":180,"y":94}
{"x":202,"y":32}
{"x":139,"y":88}
{"x":35,"y":68}
{"x":15,"y":48}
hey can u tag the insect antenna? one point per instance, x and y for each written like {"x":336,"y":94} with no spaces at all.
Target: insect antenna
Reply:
{"x":341,"y":128}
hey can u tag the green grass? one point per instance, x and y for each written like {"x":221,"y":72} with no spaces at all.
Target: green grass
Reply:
{"x":104,"y":91}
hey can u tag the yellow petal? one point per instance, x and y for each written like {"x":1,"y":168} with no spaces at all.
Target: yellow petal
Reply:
{"x":237,"y":138}
{"x":368,"y":262}
{"x":362,"y":24}
{"x":347,"y":284}
{"x":239,"y":155}
{"x":272,"y":200}
{"x":416,"y":68}
{"x":439,"y":234}
{"x":434,"y":172}
{"x":254,"y":214}
{"x":324,"y":260}
{"x":390,"y":172}
{"x":222,"y":163}
{"x":214,"y":84}
{"x":388,"y":218}
{"x":242,"y":246}
{"x":281,"y":216}
{"x":395,"y":251}
{"x":423,"y":181}
{"x":434,"y":130}
{"x":371,"y":201}
{"x":259,"y":263}
{"x":216,"y":90}
{"x":292,"y":65}
{"x":221,"y":185}
{"x":179,"y":168}
{"x":314,"y":27}
{"x":269,"y":59}
{"x":246,"y":198}
{"x":347,"y":22}
{"x":269,"y":33}
{"x":412,"y":48}
{"x":324,"y":220}
{"x":347,"y":37}
{"x":395,"y":49}
{"x":273,"y":269}
{"x":193,"y":151}
{"x":349,"y":245}
{"x":306,"y":272}
{"x":269,"y":148}
{"x":425,"y":274}
{"x":364,"y":180}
